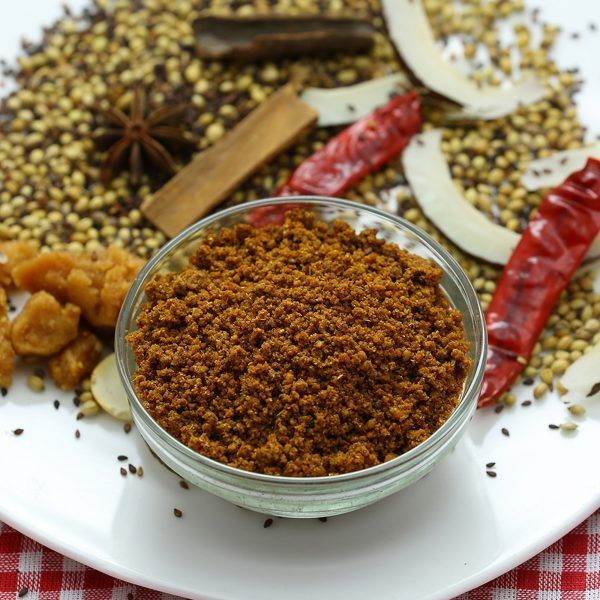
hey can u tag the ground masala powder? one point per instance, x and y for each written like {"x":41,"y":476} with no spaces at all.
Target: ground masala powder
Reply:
{"x":300,"y":349}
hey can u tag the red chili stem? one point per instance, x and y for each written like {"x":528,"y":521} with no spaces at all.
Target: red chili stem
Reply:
{"x":551,"y":248}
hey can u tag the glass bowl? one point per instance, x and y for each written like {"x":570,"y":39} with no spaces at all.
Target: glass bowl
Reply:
{"x":308,"y":497}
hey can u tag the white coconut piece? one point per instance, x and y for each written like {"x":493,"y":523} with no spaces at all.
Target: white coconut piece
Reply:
{"x":342,"y":105}
{"x":429,"y":177}
{"x":583,"y":376}
{"x":411,"y":34}
{"x":553,"y":170}
{"x":108,"y":391}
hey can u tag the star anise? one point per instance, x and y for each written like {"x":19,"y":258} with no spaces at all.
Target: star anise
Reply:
{"x":140,"y":139}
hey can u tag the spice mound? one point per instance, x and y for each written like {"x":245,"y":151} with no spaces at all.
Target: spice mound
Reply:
{"x":300,"y":349}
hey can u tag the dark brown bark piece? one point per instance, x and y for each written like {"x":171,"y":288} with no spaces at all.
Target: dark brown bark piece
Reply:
{"x":273,"y":36}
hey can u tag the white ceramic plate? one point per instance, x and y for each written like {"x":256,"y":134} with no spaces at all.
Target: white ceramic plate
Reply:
{"x":452,"y":531}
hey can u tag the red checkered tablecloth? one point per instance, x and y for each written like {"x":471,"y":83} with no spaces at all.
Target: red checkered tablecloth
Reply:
{"x":567,"y":570}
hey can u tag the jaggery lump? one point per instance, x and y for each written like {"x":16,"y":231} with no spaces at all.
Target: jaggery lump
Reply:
{"x":300,"y":349}
{"x":12,"y":254}
{"x":7,"y":354}
{"x":97,"y":281}
{"x":75,"y":362}
{"x":44,"y":326}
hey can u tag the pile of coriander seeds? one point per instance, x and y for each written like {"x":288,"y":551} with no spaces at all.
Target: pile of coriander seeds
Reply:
{"x":50,"y":189}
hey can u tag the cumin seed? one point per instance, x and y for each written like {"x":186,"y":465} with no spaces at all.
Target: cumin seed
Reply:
{"x":595,"y":389}
{"x":18,"y":431}
{"x":505,"y":432}
{"x":121,"y":457}
{"x":268,"y":523}
{"x":491,"y":473}
{"x":56,"y":404}
{"x":178,"y":513}
{"x":184,"y":485}
{"x":490,"y":465}
{"x":132,"y":469}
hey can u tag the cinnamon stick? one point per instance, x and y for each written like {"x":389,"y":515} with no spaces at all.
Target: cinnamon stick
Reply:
{"x":275,"y":125}
{"x":257,"y":37}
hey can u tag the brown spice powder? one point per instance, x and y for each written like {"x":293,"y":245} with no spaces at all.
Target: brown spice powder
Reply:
{"x":300,"y":349}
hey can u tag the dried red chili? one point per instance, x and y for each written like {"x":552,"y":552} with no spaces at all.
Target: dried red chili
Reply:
{"x":551,"y":248}
{"x":358,"y":150}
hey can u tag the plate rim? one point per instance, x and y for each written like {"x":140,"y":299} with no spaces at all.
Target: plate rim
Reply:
{"x":468,"y":583}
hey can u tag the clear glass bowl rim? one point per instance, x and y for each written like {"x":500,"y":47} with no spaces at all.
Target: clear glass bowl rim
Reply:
{"x":469,"y":395}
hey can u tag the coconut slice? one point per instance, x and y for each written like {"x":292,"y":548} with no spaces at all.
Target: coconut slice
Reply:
{"x":338,"y":106}
{"x":553,"y":170}
{"x":108,"y":391}
{"x":412,"y":36}
{"x":429,"y":178}
{"x":583,"y":376}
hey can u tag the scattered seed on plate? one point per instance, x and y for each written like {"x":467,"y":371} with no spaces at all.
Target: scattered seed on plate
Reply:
{"x":490,"y":465}
{"x":499,"y":409}
{"x":127,"y":427}
{"x":23,"y":592}
{"x":568,"y":426}
{"x":36,"y":383}
{"x":123,"y":472}
{"x":121,"y":457}
{"x":132,"y":469}
{"x":526,"y":403}
{"x":528,"y":381}
{"x":77,"y":433}
{"x":553,"y":426}
{"x":323,"y":519}
{"x":56,"y":404}
{"x":268,"y":523}
{"x":18,"y":431}
{"x":3,"y":391}
{"x":184,"y":484}
{"x":505,"y":431}
{"x":491,"y":473}
{"x":178,"y":513}
{"x":140,"y":472}
{"x":76,"y":401}
{"x":577,"y":409}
